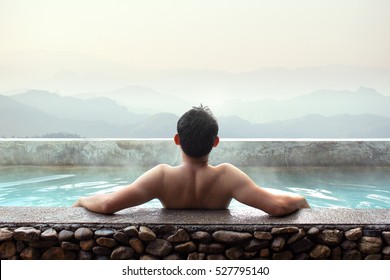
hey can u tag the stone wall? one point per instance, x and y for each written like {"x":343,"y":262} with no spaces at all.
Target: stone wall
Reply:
{"x":130,"y":152}
{"x":140,"y":233}
{"x":177,"y":243}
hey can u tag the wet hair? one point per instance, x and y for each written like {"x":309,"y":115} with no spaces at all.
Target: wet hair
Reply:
{"x":197,"y":129}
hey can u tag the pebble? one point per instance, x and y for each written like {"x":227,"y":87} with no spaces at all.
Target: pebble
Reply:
{"x":370,"y":245}
{"x":87,"y":245}
{"x":212,"y":248}
{"x":353,"y":234}
{"x":234,"y":253}
{"x":282,"y":230}
{"x":159,"y":248}
{"x":137,"y":245}
{"x":7,"y":249}
{"x":286,"y":255}
{"x":201,"y":236}
{"x":49,"y":234}
{"x":83,"y":234}
{"x":352,"y":255}
{"x":146,"y":234}
{"x":231,"y":236}
{"x":278,"y":243}
{"x":320,"y":252}
{"x":263,"y":235}
{"x":331,"y":237}
{"x":301,"y":246}
{"x":131,"y":231}
{"x":5,"y":234}
{"x":180,"y":236}
{"x":106,"y":242}
{"x":122,"y":253}
{"x":104,"y":233}
{"x":26,"y":234}
{"x":186,"y":248}
{"x":30,"y":254}
{"x":65,"y":235}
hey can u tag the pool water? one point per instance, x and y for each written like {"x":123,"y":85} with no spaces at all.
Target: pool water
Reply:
{"x":323,"y":187}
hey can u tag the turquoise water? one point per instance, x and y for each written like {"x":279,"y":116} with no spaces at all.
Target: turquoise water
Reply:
{"x":329,"y":187}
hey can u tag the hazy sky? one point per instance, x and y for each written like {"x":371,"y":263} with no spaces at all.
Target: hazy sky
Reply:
{"x":240,"y":35}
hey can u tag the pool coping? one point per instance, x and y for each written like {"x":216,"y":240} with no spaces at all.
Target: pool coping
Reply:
{"x":248,"y":217}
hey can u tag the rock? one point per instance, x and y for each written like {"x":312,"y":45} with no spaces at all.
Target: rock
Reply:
{"x":42,"y":243}
{"x":282,"y":230}
{"x":301,"y":246}
{"x":99,"y":250}
{"x":186,"y":248}
{"x":331,"y":236}
{"x":20,"y":245}
{"x":146,"y":234}
{"x":313,"y":232}
{"x":353,"y":234}
{"x":85,"y":255}
{"x":87,"y":245}
{"x":249,"y":255}
{"x":54,"y":253}
{"x":348,"y":245}
{"x":352,"y":255}
{"x":7,"y":249}
{"x":121,"y":237}
{"x":253,"y":245}
{"x":122,"y":253}
{"x":131,"y":231}
{"x":278,"y":243}
{"x":196,"y":256}
{"x":148,"y":258}
{"x":302,"y":256}
{"x":83,"y":234}
{"x":264,"y":253}
{"x":104,"y":233}
{"x":201,"y":236}
{"x":320,"y":252}
{"x":5,"y":234}
{"x":180,"y":236}
{"x":212,"y":248}
{"x":372,"y":232}
{"x":234,"y":253}
{"x":49,"y":234}
{"x":370,"y":245}
{"x":26,"y":234}
{"x":65,"y":235}
{"x":159,"y":248}
{"x":286,"y":255}
{"x":262,"y":235}
{"x":172,"y":257}
{"x":386,"y":237}
{"x":231,"y":236}
{"x":106,"y":242}
{"x":298,"y":236}
{"x":386,"y":251}
{"x":216,"y":257}
{"x":30,"y":254}
{"x":137,"y":245}
{"x":375,"y":257}
{"x":336,"y":253}
{"x":69,"y":246}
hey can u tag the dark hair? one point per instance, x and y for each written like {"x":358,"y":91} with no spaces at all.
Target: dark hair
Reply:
{"x":197,"y":130}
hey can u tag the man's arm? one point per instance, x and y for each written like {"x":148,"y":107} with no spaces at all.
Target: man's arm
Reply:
{"x":145,"y":188}
{"x":275,"y":204}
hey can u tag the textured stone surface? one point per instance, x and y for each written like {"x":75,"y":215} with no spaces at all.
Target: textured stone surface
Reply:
{"x":5,"y":234}
{"x":146,"y":234}
{"x":137,"y":245}
{"x":26,"y":233}
{"x":331,"y":237}
{"x":370,"y":245}
{"x":180,"y":236}
{"x":49,"y":234}
{"x":353,"y":234}
{"x":159,"y":248}
{"x":320,"y":252}
{"x":212,"y":248}
{"x":7,"y":249}
{"x":230,"y":236}
{"x":83,"y":234}
{"x":282,"y":230}
{"x":122,"y":253}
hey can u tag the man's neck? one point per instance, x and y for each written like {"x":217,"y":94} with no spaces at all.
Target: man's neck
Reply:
{"x":200,"y":161}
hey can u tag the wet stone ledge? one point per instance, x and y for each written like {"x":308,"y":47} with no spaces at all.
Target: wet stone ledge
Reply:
{"x":150,"y":234}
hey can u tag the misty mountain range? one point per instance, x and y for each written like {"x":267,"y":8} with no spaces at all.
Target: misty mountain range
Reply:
{"x":322,"y":114}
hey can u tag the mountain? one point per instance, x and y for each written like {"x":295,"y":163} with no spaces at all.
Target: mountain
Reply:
{"x":70,"y":108}
{"x":322,"y":102}
{"x":71,"y":73}
{"x":143,"y":100}
{"x":309,"y":126}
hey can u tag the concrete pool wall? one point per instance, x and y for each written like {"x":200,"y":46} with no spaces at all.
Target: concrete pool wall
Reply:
{"x":139,"y":233}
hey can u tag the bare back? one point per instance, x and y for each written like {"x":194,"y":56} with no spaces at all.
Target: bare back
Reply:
{"x":195,"y":186}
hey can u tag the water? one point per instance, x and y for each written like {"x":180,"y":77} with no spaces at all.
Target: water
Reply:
{"x":357,"y":187}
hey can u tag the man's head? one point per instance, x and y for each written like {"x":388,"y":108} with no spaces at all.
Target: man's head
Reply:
{"x":197,"y":132}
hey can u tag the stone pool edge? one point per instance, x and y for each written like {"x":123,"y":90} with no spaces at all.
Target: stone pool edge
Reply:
{"x":152,"y":233}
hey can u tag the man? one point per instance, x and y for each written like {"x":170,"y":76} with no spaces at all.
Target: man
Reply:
{"x":195,"y":184}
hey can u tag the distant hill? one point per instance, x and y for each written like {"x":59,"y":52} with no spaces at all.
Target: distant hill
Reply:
{"x":70,"y":108}
{"x":322,"y":102}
